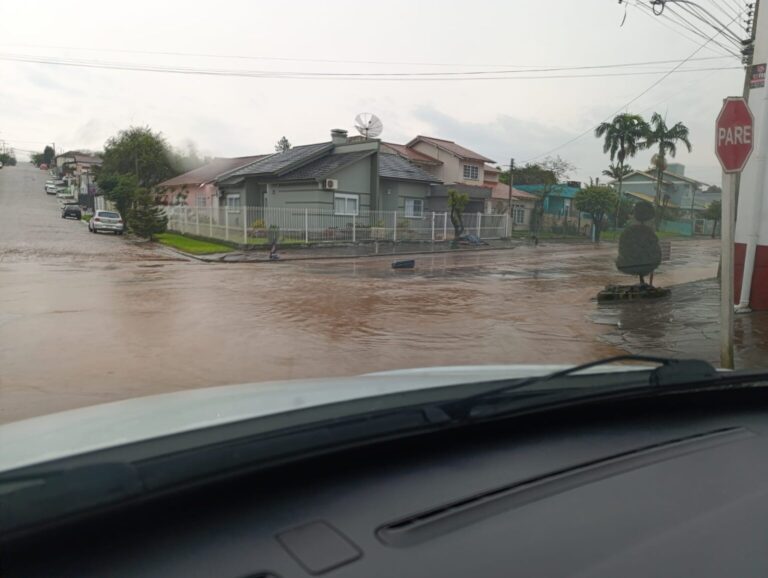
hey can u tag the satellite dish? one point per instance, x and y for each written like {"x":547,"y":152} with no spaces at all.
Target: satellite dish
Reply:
{"x":368,"y":125}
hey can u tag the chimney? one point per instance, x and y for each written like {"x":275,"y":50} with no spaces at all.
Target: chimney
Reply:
{"x":339,"y":136}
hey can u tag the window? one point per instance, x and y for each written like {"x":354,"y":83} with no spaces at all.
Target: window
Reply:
{"x":414,"y":208}
{"x":471,"y":172}
{"x":233,"y":203}
{"x":345,"y":204}
{"x":200,"y":201}
{"x":518,"y":214}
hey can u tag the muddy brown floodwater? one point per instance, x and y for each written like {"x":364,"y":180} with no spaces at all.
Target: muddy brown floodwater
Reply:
{"x":108,"y":319}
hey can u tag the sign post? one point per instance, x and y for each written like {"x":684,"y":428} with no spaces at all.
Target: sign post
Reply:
{"x":734,"y":132}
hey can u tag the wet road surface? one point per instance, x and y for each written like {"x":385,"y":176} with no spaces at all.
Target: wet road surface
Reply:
{"x":89,"y":318}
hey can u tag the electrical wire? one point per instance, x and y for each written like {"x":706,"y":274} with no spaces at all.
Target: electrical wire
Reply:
{"x":672,"y":13}
{"x":626,"y":105}
{"x":696,"y":12}
{"x":475,"y":75}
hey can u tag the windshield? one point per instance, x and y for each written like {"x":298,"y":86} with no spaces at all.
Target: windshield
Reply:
{"x":314,"y":191}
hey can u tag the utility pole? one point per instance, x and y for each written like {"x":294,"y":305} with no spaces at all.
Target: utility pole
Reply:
{"x":511,"y":182}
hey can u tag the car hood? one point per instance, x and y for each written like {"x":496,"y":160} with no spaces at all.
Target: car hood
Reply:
{"x":66,"y":434}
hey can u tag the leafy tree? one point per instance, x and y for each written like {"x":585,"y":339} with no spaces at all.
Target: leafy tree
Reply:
{"x":121,"y":190}
{"x":665,"y":138}
{"x":622,"y":139}
{"x":282,"y":145}
{"x":49,"y":155}
{"x":598,"y":202}
{"x":36,"y":159}
{"x":140,"y":152}
{"x":457,"y":202}
{"x":713,"y":212}
{"x":8,"y":159}
{"x":146,"y":217}
{"x":643,"y":211}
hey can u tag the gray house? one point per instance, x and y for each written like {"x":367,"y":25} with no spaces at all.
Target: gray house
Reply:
{"x":346,"y":176}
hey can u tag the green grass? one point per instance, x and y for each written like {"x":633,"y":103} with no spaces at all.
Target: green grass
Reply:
{"x":193,"y":246}
{"x":87,"y":217}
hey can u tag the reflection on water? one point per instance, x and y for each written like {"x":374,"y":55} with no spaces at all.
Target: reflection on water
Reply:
{"x":138,"y":328}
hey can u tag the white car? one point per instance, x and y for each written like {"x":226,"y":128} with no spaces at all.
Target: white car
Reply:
{"x":106,"y":221}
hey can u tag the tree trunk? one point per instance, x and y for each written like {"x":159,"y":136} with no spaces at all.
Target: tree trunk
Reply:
{"x":621,"y":183}
{"x":657,"y":199}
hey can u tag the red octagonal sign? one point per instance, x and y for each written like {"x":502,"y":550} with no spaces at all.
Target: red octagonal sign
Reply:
{"x":734,"y":134}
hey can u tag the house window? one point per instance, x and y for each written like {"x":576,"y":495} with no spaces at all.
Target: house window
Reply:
{"x":200,"y":201}
{"x":233,"y":203}
{"x":345,"y":204}
{"x":414,"y":208}
{"x":518,"y":214}
{"x":471,"y":172}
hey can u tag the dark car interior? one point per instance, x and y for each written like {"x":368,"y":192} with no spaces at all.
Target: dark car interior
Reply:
{"x":662,"y":486}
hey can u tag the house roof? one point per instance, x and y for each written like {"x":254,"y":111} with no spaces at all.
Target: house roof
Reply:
{"x":491,"y":169}
{"x":474,"y":192}
{"x":210,"y":171}
{"x":282,"y":162}
{"x":666,"y":174}
{"x":396,"y":167}
{"x":412,"y":154}
{"x":80,"y":157}
{"x":501,"y":191}
{"x":324,"y":166}
{"x":451,"y":147}
{"x":558,"y":190}
{"x":650,"y":198}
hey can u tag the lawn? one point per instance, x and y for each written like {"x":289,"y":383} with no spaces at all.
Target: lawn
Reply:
{"x":189,"y":245}
{"x":87,"y":217}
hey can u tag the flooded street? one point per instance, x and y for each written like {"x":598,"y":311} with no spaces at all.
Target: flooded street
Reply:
{"x":88,"y":318}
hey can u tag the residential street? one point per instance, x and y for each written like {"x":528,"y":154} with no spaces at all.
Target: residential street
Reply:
{"x":93,"y":318}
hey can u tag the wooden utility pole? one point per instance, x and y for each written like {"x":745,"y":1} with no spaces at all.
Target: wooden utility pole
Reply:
{"x":511,"y":181}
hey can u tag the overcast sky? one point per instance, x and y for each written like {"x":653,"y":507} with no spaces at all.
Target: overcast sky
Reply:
{"x":233,"y":116}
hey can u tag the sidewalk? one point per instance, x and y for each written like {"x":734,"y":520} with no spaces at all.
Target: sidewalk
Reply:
{"x":686,"y":324}
{"x":382,"y":249}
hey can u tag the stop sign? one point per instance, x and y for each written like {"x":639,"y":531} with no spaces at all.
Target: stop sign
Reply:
{"x":734,"y":134}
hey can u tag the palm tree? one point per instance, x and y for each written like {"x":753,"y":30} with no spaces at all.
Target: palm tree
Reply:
{"x":666,"y":138}
{"x":622,"y":139}
{"x":618,"y":172}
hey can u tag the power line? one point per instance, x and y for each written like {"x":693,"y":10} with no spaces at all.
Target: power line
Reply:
{"x":673,"y":15}
{"x":282,"y":75}
{"x":625,"y":106}
{"x":684,"y":25}
{"x":694,"y":11}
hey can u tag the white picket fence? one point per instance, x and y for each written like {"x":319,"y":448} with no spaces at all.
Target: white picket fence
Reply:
{"x":258,"y":225}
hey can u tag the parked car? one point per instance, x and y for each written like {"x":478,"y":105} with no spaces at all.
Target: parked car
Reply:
{"x":106,"y":221}
{"x":71,"y":210}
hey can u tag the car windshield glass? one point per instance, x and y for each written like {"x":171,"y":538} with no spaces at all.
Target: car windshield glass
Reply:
{"x":287,"y":198}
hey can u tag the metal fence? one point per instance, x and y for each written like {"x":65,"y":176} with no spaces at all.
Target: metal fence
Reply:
{"x":259,"y":225}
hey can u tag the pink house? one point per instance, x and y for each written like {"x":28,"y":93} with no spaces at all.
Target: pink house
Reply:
{"x":196,"y":188}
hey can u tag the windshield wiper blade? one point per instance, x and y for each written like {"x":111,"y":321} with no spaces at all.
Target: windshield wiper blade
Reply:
{"x":669,"y":373}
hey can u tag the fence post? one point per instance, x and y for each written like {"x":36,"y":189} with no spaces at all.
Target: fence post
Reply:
{"x":445,"y":226}
{"x":306,"y":226}
{"x":354,"y":228}
{"x":507,"y":232}
{"x":210,"y":222}
{"x":479,"y":225}
{"x":226,"y":223}
{"x":184,"y":222}
{"x":433,"y":226}
{"x":394,"y":230}
{"x":197,"y":221}
{"x":245,"y":225}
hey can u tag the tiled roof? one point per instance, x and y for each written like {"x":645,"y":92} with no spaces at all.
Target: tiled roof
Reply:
{"x":210,"y":171}
{"x":491,"y":169}
{"x":452,"y":147}
{"x":501,"y":191}
{"x":474,"y":192}
{"x":279,"y":162}
{"x":668,"y":176}
{"x":649,"y":198}
{"x":324,"y":166}
{"x":396,"y":167}
{"x":412,"y":154}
